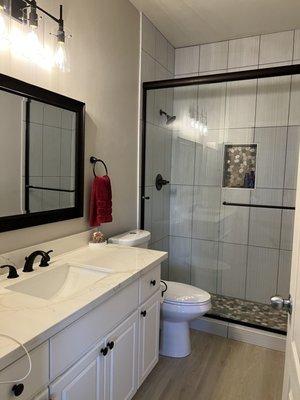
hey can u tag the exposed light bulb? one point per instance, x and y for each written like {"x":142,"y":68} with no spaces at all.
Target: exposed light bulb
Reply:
{"x":3,"y":28}
{"x":61,"y":56}
{"x":33,"y":46}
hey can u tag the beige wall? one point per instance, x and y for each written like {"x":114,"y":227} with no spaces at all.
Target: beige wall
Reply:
{"x":104,"y":54}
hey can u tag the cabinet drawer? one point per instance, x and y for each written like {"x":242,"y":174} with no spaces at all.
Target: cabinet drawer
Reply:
{"x":69,"y":345}
{"x":149,"y":284}
{"x":37,"y":380}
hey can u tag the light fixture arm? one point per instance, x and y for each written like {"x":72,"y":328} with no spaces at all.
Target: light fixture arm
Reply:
{"x":59,"y":21}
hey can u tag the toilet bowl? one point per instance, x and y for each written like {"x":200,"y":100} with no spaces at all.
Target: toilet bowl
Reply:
{"x":182,"y":303}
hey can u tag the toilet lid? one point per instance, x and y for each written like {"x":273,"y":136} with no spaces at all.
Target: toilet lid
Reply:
{"x":187,"y":294}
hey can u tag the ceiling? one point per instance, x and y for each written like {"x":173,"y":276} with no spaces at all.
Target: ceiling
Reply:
{"x":189,"y":22}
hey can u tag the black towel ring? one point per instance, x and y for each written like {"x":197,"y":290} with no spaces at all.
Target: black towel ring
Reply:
{"x":94,"y":160}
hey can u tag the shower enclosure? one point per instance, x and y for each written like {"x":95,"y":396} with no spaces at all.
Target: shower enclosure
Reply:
{"x":218,"y":185}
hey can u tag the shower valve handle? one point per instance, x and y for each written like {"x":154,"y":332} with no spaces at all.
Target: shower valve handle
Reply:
{"x":160,"y":182}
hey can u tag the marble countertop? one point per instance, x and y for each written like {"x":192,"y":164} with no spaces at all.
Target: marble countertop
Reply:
{"x":33,"y":320}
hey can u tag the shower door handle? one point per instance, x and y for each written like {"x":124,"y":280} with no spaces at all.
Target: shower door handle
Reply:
{"x":160,"y":182}
{"x":279,"y":303}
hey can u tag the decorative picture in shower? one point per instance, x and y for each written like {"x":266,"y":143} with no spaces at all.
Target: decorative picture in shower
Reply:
{"x":239,"y":166}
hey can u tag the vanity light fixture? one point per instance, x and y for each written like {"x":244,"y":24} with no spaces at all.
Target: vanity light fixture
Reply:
{"x":60,"y":57}
{"x":25,"y":41}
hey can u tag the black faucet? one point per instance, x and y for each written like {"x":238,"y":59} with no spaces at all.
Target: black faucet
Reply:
{"x":12,"y":271}
{"x":28,"y":267}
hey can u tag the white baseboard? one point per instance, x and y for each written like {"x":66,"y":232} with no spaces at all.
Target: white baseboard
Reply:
{"x":209,"y":325}
{"x":257,"y":337}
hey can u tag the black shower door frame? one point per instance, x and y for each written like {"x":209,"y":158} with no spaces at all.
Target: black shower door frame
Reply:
{"x":200,"y":80}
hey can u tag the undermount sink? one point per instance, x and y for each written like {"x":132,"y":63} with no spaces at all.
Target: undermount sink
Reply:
{"x":61,"y":282}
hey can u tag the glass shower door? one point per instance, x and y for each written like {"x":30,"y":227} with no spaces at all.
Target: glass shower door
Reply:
{"x":226,"y":217}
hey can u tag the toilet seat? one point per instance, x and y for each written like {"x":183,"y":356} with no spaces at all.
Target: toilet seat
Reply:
{"x":185,"y":295}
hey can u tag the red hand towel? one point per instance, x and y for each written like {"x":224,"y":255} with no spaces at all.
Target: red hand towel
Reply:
{"x":101,"y":201}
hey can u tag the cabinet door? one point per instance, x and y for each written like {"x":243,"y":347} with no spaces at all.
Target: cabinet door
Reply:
{"x":82,"y":381}
{"x":149,"y":336}
{"x":121,"y":370}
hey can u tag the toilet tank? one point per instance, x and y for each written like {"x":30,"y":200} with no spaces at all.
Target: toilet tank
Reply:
{"x":135,"y":238}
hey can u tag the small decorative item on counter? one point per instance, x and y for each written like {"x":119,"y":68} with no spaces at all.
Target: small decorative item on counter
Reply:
{"x":98,"y":238}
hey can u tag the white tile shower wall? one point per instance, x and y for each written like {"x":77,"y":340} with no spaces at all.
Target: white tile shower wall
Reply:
{"x":236,"y":251}
{"x":157,"y":62}
{"x":52,"y":153}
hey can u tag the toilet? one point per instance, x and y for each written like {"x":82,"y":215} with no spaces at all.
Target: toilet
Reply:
{"x":134,"y":238}
{"x":181,"y":303}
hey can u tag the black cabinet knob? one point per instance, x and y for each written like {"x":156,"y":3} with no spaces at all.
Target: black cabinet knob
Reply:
{"x":104,"y":351}
{"x":153,"y":283}
{"x":144,"y":313}
{"x":18,"y":389}
{"x":110,"y":345}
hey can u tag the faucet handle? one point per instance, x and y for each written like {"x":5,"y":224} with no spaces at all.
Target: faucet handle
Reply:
{"x":45,"y":259}
{"x":12,"y":271}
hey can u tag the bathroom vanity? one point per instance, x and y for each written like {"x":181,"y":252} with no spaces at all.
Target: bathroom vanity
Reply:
{"x":93,"y":332}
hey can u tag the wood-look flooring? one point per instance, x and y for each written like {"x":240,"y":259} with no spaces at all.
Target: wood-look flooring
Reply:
{"x":217,"y":369}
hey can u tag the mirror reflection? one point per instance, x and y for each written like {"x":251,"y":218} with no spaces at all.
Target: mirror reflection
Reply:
{"x":37,"y":156}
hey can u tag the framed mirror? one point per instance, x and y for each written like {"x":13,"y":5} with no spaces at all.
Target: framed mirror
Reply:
{"x":41,"y":156}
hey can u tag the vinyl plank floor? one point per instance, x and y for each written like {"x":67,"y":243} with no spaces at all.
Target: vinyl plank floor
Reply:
{"x":217,"y":369}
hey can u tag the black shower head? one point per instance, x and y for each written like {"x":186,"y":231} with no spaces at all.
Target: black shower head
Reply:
{"x":170,"y":119}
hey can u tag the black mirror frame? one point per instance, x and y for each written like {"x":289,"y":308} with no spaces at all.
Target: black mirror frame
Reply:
{"x":33,"y":92}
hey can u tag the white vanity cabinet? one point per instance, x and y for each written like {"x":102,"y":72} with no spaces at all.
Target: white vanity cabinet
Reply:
{"x":149,"y":336}
{"x":108,"y":372}
{"x":36,"y":381}
{"x":121,"y":362}
{"x":83,"y":381}
{"x":104,"y":355}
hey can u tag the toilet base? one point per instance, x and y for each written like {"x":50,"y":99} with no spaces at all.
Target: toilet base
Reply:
{"x":175,"y":339}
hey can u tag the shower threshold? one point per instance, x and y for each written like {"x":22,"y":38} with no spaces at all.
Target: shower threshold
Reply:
{"x":248,"y":313}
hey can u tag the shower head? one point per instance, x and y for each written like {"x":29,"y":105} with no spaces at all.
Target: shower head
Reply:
{"x":170,"y":119}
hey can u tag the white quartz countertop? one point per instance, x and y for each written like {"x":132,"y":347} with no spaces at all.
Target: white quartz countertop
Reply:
{"x":33,"y":320}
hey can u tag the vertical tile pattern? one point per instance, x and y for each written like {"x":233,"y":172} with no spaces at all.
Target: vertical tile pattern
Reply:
{"x":276,"y":47}
{"x":234,"y":222}
{"x":208,"y":161}
{"x":243,"y":52}
{"x":293,"y":144}
{"x":180,"y":259}
{"x":213,"y":56}
{"x":206,"y":216}
{"x":271,"y":152}
{"x":235,"y":251}
{"x":273,"y":101}
{"x":181,"y":210}
{"x":204,"y":265}
{"x":265,"y":224}
{"x":294,"y":117}
{"x":52,"y":156}
{"x":157,"y":63}
{"x":240,"y":104}
{"x":232,"y":264}
{"x":262,"y":270}
{"x":187,"y":60}
{"x":284,"y":275}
